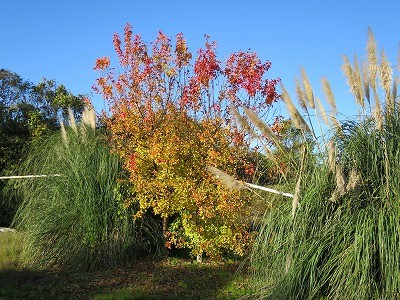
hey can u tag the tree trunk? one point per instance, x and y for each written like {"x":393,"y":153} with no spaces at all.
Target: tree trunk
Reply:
{"x":200,"y":258}
{"x":165,"y":226}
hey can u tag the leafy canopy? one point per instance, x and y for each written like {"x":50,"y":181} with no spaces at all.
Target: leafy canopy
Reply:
{"x":170,"y":118}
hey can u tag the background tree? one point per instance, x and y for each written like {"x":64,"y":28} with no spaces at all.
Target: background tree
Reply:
{"x":169,"y":120}
{"x":27,"y":112}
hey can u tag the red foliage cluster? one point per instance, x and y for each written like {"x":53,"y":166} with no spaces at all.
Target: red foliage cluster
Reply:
{"x":245,"y":70}
{"x":206,"y":66}
{"x":183,"y":56}
{"x":102,"y":63}
{"x":242,"y":71}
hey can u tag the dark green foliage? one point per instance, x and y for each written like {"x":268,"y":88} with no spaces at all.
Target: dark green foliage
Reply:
{"x":9,"y":201}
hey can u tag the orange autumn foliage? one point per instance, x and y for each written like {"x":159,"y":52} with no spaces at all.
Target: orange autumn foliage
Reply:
{"x":169,"y":120}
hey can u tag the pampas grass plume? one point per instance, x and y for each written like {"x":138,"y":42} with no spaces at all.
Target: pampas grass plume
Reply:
{"x":63,"y":132}
{"x":296,"y":118}
{"x":366,"y":83}
{"x":262,"y":126}
{"x":340,"y":180}
{"x":321,"y":111}
{"x":296,"y":197}
{"x":72,"y":120}
{"x":227,"y":180}
{"x":354,"y":181}
{"x":89,"y":117}
{"x":358,"y":83}
{"x":385,"y":75}
{"x":377,"y":113}
{"x":329,"y":95}
{"x":353,"y":80}
{"x":332,"y":153}
{"x":394,"y":89}
{"x":301,"y":97}
{"x":372,"y":59}
{"x":308,"y":88}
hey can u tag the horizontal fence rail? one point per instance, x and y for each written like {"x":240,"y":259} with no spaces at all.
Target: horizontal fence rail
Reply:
{"x":28,"y":176}
{"x":4,"y":229}
{"x":263,"y":188}
{"x":246,"y":183}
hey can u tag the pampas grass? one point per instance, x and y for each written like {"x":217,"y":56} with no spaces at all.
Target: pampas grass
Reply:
{"x":322,"y":112}
{"x":247,"y":127}
{"x":77,"y":220}
{"x":366,"y":83}
{"x":352,"y":80}
{"x":72,"y":120}
{"x":296,"y":118}
{"x":231,"y":183}
{"x":89,"y":117}
{"x":301,"y":97}
{"x":307,"y":87}
{"x":329,"y":95}
{"x":331,"y":101}
{"x":332,"y":154}
{"x":342,"y":242}
{"x":63,"y":132}
{"x":242,"y":121}
{"x":262,"y":126}
{"x":385,"y":77}
{"x":372,"y":59}
{"x":227,"y":180}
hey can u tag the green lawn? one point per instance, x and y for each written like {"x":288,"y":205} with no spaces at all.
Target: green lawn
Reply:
{"x":150,"y":278}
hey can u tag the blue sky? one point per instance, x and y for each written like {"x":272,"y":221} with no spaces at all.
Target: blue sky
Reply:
{"x":61,"y":39}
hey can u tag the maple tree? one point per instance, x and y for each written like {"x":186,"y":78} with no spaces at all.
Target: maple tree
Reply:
{"x":169,"y":119}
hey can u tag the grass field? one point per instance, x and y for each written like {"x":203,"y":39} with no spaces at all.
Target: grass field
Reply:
{"x":149,"y":278}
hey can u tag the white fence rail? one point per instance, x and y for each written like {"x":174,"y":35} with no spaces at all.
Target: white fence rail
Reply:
{"x":263,"y":188}
{"x":4,"y":229}
{"x":28,"y":176}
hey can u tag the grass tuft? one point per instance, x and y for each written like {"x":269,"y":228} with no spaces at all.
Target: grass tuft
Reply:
{"x":77,"y":220}
{"x":11,"y":244}
{"x":343,"y":242}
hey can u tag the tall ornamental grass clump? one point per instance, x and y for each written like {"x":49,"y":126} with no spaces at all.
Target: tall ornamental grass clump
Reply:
{"x":343,"y":241}
{"x":76,"y":220}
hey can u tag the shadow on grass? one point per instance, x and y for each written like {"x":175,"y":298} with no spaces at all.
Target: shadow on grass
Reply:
{"x":152,"y":278}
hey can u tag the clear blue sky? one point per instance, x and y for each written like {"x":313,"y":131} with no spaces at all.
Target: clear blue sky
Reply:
{"x":61,"y":39}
